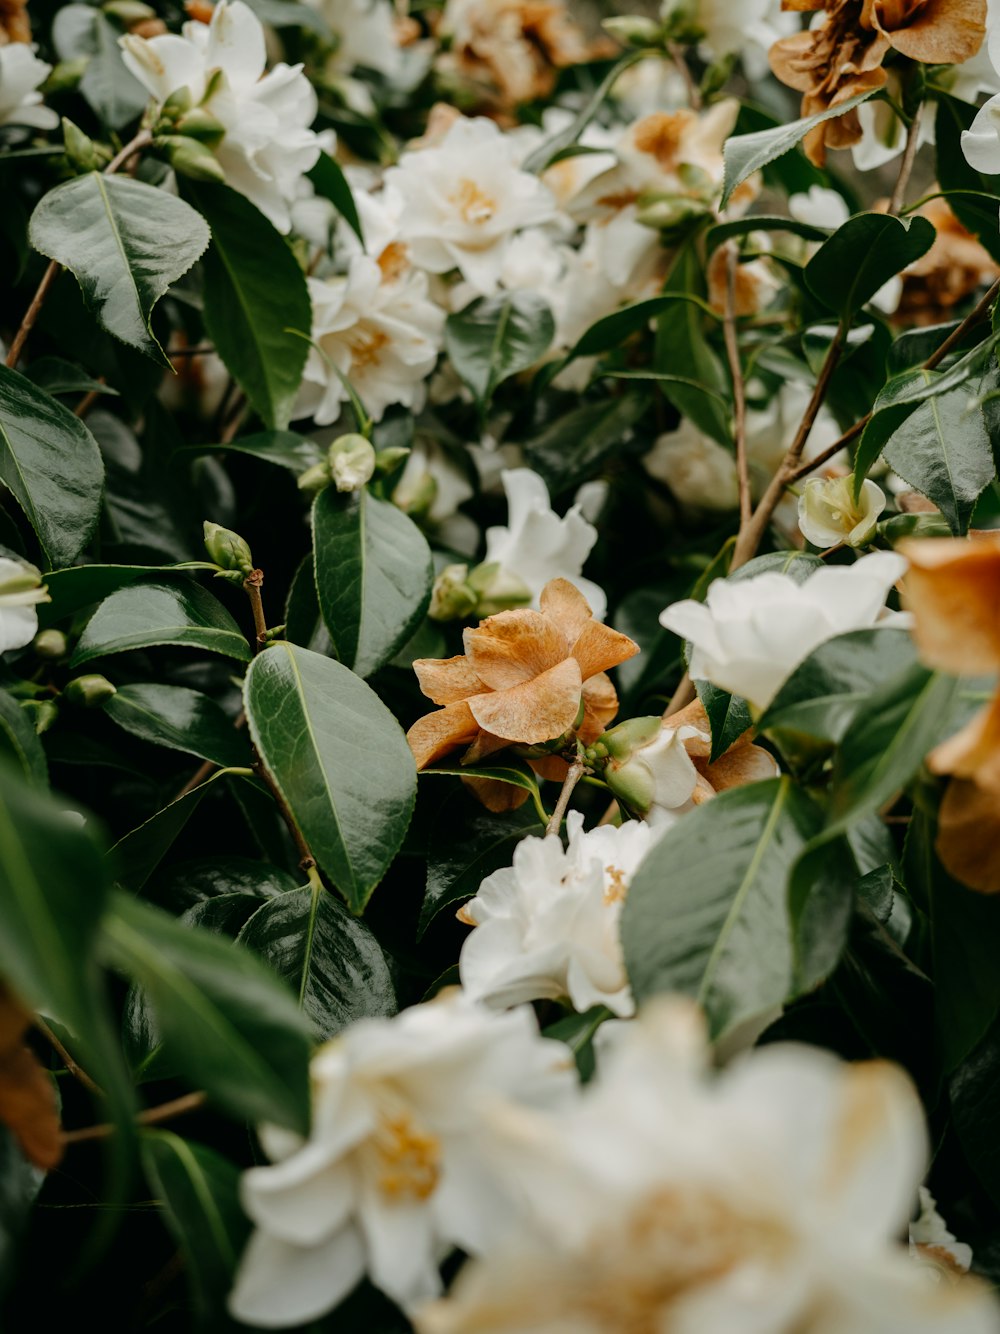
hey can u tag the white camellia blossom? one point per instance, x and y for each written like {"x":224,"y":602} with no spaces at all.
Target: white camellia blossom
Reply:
{"x":749,"y":635}
{"x":21,"y":75}
{"x":366,"y":36}
{"x":547,"y":927}
{"x":765,"y":1199}
{"x":699,"y":472}
{"x":537,"y":545}
{"x":401,"y":1163}
{"x":819,"y":206}
{"x":21,"y":590}
{"x":829,"y":515}
{"x":729,"y":26}
{"x":383,"y":335}
{"x":464,"y":199}
{"x":268,"y":144}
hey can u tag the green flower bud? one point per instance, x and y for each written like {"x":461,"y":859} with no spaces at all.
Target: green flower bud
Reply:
{"x":452,"y":599}
{"x":352,"y":462}
{"x":177,"y":103}
{"x":417,"y":498}
{"x":201,"y":125}
{"x":190,"y":157}
{"x":50,"y":644}
{"x":674,"y":215}
{"x":388,"y":460}
{"x":80,"y":148}
{"x":633,"y":30}
{"x":315,"y":478}
{"x":66,"y":76}
{"x":229,"y":551}
{"x":42,"y":712}
{"x":621,"y":741}
{"x":129,"y":11}
{"x":89,"y":690}
{"x":496,"y":590}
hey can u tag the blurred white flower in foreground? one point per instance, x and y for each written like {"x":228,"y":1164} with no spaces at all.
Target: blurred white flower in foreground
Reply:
{"x":829,"y":515}
{"x":463,"y":199}
{"x":933,"y":1246}
{"x":402,"y":1162}
{"x":21,"y":75}
{"x":21,"y":590}
{"x":267,"y":145}
{"x":537,"y":545}
{"x":749,"y":635}
{"x":383,"y":335}
{"x":547,"y":927}
{"x":764,"y":1200}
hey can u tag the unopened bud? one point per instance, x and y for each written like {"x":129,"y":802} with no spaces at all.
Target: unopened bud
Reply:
{"x":388,"y":460}
{"x":416,"y":496}
{"x":179,"y":101}
{"x":89,"y":690}
{"x":352,"y":462}
{"x":190,"y":157}
{"x":648,"y":764}
{"x":673,"y":214}
{"x":42,"y":712}
{"x":452,"y":599}
{"x":66,"y":76}
{"x":80,"y":148}
{"x":50,"y":644}
{"x":497,"y":590}
{"x":128,"y":12}
{"x":229,"y":551}
{"x":315,"y":478}
{"x":201,"y":125}
{"x":633,"y":30}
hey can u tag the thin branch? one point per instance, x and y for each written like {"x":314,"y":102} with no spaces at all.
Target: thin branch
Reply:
{"x":676,"y":54}
{"x":166,"y":1111}
{"x":576,"y":771}
{"x":204,"y":350}
{"x":251,"y":586}
{"x":975,"y":316}
{"x":77,"y":1071}
{"x":906,"y":166}
{"x":739,"y":389}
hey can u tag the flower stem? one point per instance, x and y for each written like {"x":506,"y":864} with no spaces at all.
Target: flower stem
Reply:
{"x":252,"y":586}
{"x":77,"y":1071}
{"x":576,"y":772}
{"x":739,"y":389}
{"x":166,"y":1111}
{"x":906,"y":166}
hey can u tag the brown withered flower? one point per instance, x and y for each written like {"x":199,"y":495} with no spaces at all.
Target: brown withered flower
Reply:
{"x":955,"y":266}
{"x":14,"y":23}
{"x":842,"y":55}
{"x":953,"y":591}
{"x":526,"y":677}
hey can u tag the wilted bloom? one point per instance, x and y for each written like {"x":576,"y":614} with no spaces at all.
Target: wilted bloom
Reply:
{"x":829,"y":515}
{"x":955,"y":266}
{"x":267,"y":145}
{"x":400,"y":1164}
{"x":464,"y":198}
{"x":748,"y":636}
{"x":382,"y":335}
{"x":21,"y":589}
{"x":526,"y":677}
{"x":21,"y":74}
{"x":547,"y":927}
{"x":764,"y":1198}
{"x":536,"y":545}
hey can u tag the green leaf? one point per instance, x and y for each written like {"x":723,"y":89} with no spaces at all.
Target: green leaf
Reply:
{"x":200,"y":1193}
{"x":496,"y":337}
{"x":820,"y":903}
{"x":125,"y":242}
{"x":115,"y":94}
{"x":515,"y":772}
{"x":609,"y":332}
{"x":232,"y":1028}
{"x":286,"y":449}
{"x":943,"y":450}
{"x":756,"y":222}
{"x":81,"y":586}
{"x":331,"y":961}
{"x":57,"y":376}
{"x":458,"y":862}
{"x":707,"y":912}
{"x":339,"y":759}
{"x":683,"y":350}
{"x":568,"y":451}
{"x":746,"y":153}
{"x":971,"y":196}
{"x":136,"y":856}
{"x":329,"y":181}
{"x":19,"y":742}
{"x":149,"y":614}
{"x":256,"y":301}
{"x":374,"y":575}
{"x":822,"y":695}
{"x":186,"y":884}
{"x":52,"y":465}
{"x":728,"y":716}
{"x":543,"y":155}
{"x":180,"y":719}
{"x":862,"y":255}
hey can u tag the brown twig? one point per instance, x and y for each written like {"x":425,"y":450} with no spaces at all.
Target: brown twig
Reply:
{"x":739,"y":389}
{"x":88,"y":401}
{"x":209,"y":767}
{"x":906,"y":166}
{"x":252,"y":586}
{"x":576,"y":771}
{"x":152,"y":1116}
{"x":77,"y":1071}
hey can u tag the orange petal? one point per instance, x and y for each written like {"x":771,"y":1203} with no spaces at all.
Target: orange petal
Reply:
{"x":742,"y":765}
{"x":598,"y":647}
{"x":513,"y":647}
{"x":534,"y":711}
{"x":485,"y":745}
{"x":27,"y":1097}
{"x":974,"y":752}
{"x":496,"y":796}
{"x":438,"y":733}
{"x":447,"y":680}
{"x":563,"y":603}
{"x":600,"y":704}
{"x":553,"y":768}
{"x":943,"y":32}
{"x":953,"y":590}
{"x":968,"y":840}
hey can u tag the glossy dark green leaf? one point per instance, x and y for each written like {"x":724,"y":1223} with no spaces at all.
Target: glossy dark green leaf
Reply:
{"x":682,"y":349}
{"x":57,"y":376}
{"x":150,"y":614}
{"x":707,"y":912}
{"x":180,"y":719}
{"x":374,"y":575}
{"x":80,"y":586}
{"x":20,"y":744}
{"x":339,"y":759}
{"x":609,"y":332}
{"x":496,"y":337}
{"x":974,"y":1094}
{"x":822,"y":695}
{"x":185,"y":884}
{"x":329,"y":180}
{"x":569,"y":450}
{"x":502,"y":770}
{"x":746,"y":153}
{"x":756,"y":222}
{"x":199,"y":1190}
{"x":52,"y":465}
{"x":232,"y":1027}
{"x":126,"y":243}
{"x":728,"y":716}
{"x":285,"y":449}
{"x":468,"y":844}
{"x":971,"y":196}
{"x":330,"y":960}
{"x":255,"y":295}
{"x":135,"y":857}
{"x":862,"y":255}
{"x":821,"y":899}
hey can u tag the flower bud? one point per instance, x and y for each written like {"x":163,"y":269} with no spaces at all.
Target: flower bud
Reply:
{"x":497,"y":590}
{"x":89,"y":690}
{"x":80,"y":148}
{"x":50,"y":644}
{"x":452,"y":599}
{"x":672,"y":214}
{"x":416,"y":497}
{"x":315,"y":478}
{"x":352,"y":462}
{"x":129,"y":12}
{"x":829,"y":515}
{"x":648,"y":764}
{"x":190,"y":157}
{"x":633,"y":30}
{"x":201,"y":125}
{"x":42,"y":712}
{"x":229,"y":551}
{"x":179,"y":101}
{"x":388,"y":460}
{"x":66,"y":76}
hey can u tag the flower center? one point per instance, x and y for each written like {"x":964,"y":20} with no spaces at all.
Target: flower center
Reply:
{"x":409,"y":1159}
{"x":615,"y":887}
{"x":366,"y":348}
{"x":473,"y":203}
{"x":393,"y":261}
{"x":661,"y":135}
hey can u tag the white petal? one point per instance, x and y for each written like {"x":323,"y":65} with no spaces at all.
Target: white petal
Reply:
{"x":279,"y":1285}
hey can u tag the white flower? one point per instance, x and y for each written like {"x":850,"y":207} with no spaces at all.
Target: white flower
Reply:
{"x":749,"y":635}
{"x":820,"y":207}
{"x":884,"y":134}
{"x":932,"y":1245}
{"x":464,"y":198}
{"x":728,"y":25}
{"x":401,"y":1163}
{"x":268,"y":144}
{"x":699,"y":472}
{"x":547,"y":927}
{"x":21,"y":589}
{"x":21,"y":74}
{"x":829,"y":515}
{"x":537,"y":545}
{"x":765,"y":1199}
{"x":366,"y":36}
{"x":384,"y":336}
{"x":981,"y":142}
{"x":431,"y":482}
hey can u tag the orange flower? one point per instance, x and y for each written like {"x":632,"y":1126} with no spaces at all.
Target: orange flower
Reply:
{"x":526,"y":677}
{"x":954,"y":267}
{"x":842,"y":56}
{"x":14,"y":23}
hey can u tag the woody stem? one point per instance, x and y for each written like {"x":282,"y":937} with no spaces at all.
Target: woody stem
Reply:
{"x":906,"y":166}
{"x":576,"y":771}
